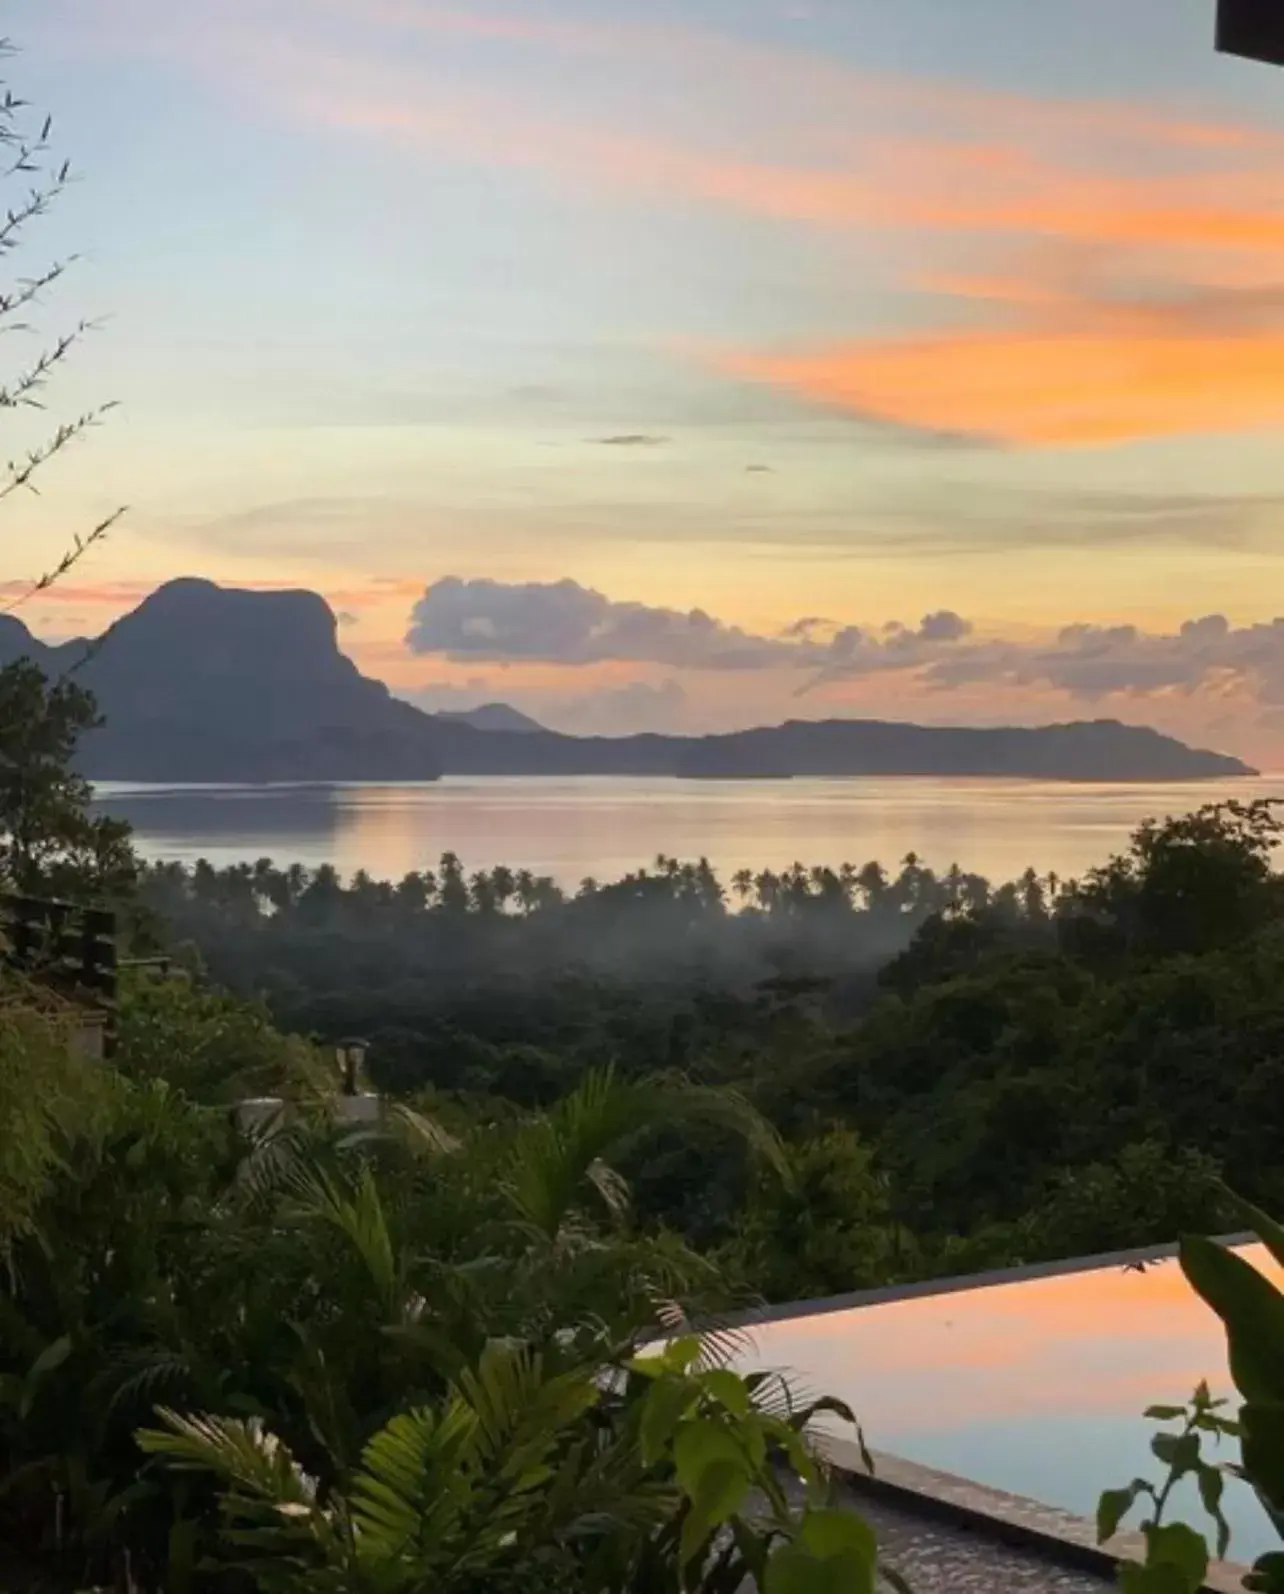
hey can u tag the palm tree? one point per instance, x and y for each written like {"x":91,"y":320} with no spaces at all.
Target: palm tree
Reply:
{"x":452,"y":888}
{"x":482,"y":893}
{"x":411,"y":893}
{"x":872,"y":880}
{"x":503,"y":883}
{"x":524,"y":889}
{"x":296,"y":882}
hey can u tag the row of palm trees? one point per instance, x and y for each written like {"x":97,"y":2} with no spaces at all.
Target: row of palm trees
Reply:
{"x":262,"y":887}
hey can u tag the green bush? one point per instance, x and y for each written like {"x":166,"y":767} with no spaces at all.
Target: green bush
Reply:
{"x":47,"y":1086}
{"x":212,"y":1046}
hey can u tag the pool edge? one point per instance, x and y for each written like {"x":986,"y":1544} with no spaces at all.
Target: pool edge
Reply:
{"x":1006,"y":1517}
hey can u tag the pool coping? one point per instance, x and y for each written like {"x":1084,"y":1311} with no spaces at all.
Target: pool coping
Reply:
{"x":822,"y":1306}
{"x":999,"y":1516}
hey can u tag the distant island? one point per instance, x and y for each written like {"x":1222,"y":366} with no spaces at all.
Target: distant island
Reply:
{"x":203,"y":683}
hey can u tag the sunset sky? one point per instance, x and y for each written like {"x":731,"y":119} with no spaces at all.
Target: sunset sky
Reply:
{"x":933,"y":352}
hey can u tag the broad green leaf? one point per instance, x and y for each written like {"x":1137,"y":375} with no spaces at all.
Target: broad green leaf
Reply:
{"x":752,"y":1435}
{"x":1115,"y":1504}
{"x":1178,"y":1451}
{"x":181,"y":1568}
{"x":53,"y":1356}
{"x":1251,"y":1309}
{"x":666,"y":1403}
{"x":1210,"y":1422}
{"x":1267,"y":1230}
{"x":720,"y":1494}
{"x":794,"y":1570}
{"x":1174,"y":1544}
{"x":1262,"y":1450}
{"x":795,"y":1448}
{"x":1267,"y":1576}
{"x":699,"y":1446}
{"x":1212,"y":1483}
{"x":1164,"y":1413}
{"x":679,"y":1357}
{"x":728,"y":1388}
{"x":827,"y":1533}
{"x":1135,"y":1579}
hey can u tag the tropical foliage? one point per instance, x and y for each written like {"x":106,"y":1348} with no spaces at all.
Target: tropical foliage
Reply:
{"x":405,"y":1358}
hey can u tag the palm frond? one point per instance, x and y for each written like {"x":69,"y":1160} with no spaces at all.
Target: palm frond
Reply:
{"x":613,"y":1188}
{"x":420,"y":1132}
{"x":723,"y":1342}
{"x":552,"y":1156}
{"x":140,"y":1379}
{"x":726,"y":1109}
{"x":273,"y":1162}
{"x":239,"y":1451}
{"x":414,"y":1483}
{"x":519,"y":1408}
{"x":465,"y":1485}
{"x":356,"y":1210}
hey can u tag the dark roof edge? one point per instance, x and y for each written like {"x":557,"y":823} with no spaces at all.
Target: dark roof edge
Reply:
{"x":967,"y":1281}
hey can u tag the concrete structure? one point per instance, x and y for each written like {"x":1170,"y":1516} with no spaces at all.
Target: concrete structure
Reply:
{"x":259,"y":1115}
{"x":943,"y":1532}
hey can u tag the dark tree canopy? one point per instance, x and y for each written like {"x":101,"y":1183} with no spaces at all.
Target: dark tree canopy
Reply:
{"x":50,"y":841}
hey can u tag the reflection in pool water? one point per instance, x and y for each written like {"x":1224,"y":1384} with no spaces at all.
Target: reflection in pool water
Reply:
{"x":1036,"y":1387}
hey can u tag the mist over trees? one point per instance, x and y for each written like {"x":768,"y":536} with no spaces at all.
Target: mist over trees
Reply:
{"x":965,"y":1074}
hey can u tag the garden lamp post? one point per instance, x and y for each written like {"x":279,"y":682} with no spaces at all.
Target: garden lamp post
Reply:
{"x":352,"y":1055}
{"x":1252,"y":28}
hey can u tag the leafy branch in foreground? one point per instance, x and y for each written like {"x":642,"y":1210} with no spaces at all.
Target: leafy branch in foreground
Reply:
{"x":1251,"y":1308}
{"x":28,"y":161}
{"x":1177,"y":1556}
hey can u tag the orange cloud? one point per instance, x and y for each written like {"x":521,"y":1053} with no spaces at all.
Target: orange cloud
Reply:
{"x":861,"y":150}
{"x":1083,"y":236}
{"x":930,"y":184}
{"x":110,"y":594}
{"x":1044,"y":387}
{"x":823,"y":83}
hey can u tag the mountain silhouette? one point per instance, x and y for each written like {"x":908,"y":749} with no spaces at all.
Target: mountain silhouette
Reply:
{"x":203,"y":683}
{"x":491,"y":717}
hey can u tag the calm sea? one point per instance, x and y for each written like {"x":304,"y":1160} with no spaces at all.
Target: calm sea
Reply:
{"x":570,"y":828}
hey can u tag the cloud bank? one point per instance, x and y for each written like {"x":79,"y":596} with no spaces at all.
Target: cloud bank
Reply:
{"x":564,"y":623}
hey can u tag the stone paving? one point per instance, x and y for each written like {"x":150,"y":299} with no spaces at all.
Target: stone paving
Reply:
{"x":941,"y":1558}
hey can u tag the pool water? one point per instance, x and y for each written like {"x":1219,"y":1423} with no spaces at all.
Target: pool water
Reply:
{"x":1036,"y":1387}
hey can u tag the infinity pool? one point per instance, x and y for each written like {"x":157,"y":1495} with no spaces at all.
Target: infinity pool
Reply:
{"x":1035,"y":1387}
